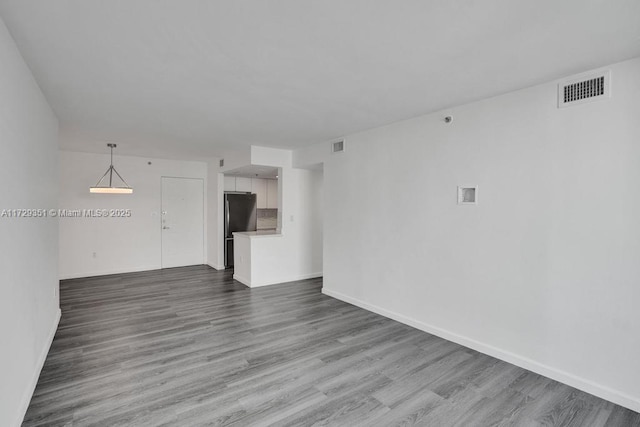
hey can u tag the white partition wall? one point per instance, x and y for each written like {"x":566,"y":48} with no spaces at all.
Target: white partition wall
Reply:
{"x":543,"y":271}
{"x":29,"y":310}
{"x":97,"y":246}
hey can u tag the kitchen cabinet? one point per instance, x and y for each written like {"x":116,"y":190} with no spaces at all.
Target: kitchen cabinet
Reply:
{"x":229,"y":183}
{"x":243,"y":184}
{"x":266,"y":190}
{"x":259,"y":188}
{"x":272,"y":194}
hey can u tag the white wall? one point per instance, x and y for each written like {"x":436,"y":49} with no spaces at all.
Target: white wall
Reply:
{"x":316,"y":217}
{"x":215,"y":226}
{"x":242,"y":266}
{"x":266,"y":156}
{"x":120,"y":244}
{"x":543,"y":272}
{"x":29,"y":308}
{"x":233,"y":160}
{"x":312,"y":155}
{"x":297,"y":254}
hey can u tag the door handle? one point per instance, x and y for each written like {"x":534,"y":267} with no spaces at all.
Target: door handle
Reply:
{"x":166,"y":228}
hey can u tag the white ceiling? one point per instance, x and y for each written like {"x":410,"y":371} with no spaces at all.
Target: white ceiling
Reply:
{"x":195,"y":78}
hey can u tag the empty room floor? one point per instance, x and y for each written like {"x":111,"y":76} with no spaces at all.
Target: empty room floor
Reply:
{"x":190,"y":346}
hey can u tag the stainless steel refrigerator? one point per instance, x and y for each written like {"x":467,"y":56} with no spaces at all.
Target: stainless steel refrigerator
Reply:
{"x":239,"y":215}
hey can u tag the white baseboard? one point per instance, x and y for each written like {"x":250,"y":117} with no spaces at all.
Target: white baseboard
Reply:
{"x":308,"y":276}
{"x":242,"y":280}
{"x":276,"y":281}
{"x":580,"y":383}
{"x":122,"y":271}
{"x":108,"y":272}
{"x":26,"y":398}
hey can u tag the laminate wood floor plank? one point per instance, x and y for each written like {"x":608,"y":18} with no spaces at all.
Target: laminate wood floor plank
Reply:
{"x":191,"y":346}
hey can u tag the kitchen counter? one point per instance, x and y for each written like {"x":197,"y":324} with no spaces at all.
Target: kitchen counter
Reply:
{"x":264,"y":257}
{"x":257,"y":256}
{"x":259,"y":233}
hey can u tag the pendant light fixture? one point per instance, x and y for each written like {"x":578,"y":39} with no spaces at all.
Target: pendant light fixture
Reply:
{"x":111,"y":189}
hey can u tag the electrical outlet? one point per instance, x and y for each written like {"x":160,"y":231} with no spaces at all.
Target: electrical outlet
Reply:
{"x":94,"y":255}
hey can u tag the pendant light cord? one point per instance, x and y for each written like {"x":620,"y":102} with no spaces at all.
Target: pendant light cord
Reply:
{"x":110,"y":171}
{"x":111,"y":168}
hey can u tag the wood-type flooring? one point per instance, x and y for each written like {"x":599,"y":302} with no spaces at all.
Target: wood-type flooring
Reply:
{"x":190,"y":346}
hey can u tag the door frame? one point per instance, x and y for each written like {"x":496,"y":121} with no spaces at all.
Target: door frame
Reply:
{"x":204,"y":218}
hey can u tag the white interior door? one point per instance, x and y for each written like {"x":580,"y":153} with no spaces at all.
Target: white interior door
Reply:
{"x":182,"y":222}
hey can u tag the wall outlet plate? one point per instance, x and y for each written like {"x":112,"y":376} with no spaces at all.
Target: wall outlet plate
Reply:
{"x":467,"y":194}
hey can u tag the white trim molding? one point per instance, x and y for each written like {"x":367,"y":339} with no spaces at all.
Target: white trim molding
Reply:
{"x":567,"y":378}
{"x":26,"y":398}
{"x":279,"y":281}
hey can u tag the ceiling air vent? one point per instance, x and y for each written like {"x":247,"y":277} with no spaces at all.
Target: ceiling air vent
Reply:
{"x":337,"y":147}
{"x":581,"y":90}
{"x":221,"y":163}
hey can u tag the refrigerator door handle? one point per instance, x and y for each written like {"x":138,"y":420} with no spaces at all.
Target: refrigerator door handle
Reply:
{"x":226,"y":230}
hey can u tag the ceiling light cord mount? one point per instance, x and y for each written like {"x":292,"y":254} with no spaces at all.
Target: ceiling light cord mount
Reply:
{"x":98,"y":188}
